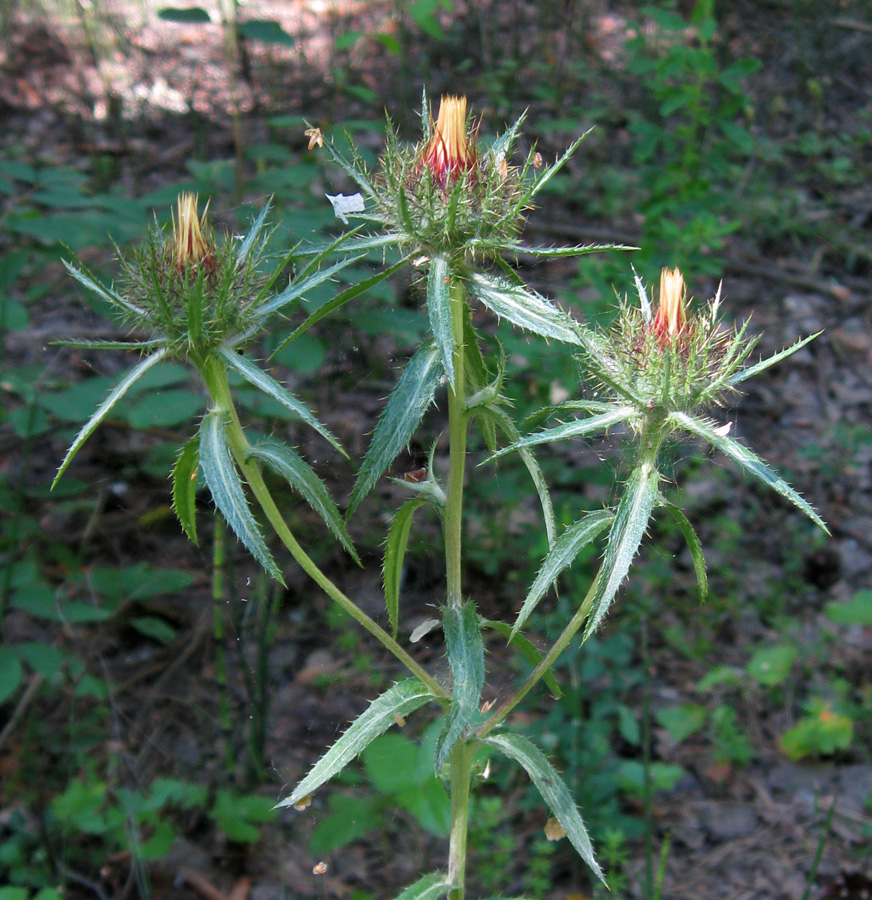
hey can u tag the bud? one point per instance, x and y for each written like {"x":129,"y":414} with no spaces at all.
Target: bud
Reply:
{"x":671,"y":320}
{"x":189,"y":244}
{"x":449,"y":154}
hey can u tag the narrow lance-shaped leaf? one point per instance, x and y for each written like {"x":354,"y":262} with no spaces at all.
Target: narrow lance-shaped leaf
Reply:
{"x":525,"y":308}
{"x":224,"y":483}
{"x":628,"y":529}
{"x":256,"y":226}
{"x":552,"y":170}
{"x":693,"y":543}
{"x":508,"y":427}
{"x":361,"y":287}
{"x":106,"y":345}
{"x":430,"y":887}
{"x":398,"y":701}
{"x":466,"y":658}
{"x":748,"y":460}
{"x":554,"y":792}
{"x":84,"y":277}
{"x":406,"y":407}
{"x":764,"y":364}
{"x":565,"y":549}
{"x":575,"y":428}
{"x":553,"y":252}
{"x":297,"y":288}
{"x":105,"y":407}
{"x":528,"y":650}
{"x":439,"y":310}
{"x":302,"y":478}
{"x":395,"y":554}
{"x":254,"y":375}
{"x":185,"y":487}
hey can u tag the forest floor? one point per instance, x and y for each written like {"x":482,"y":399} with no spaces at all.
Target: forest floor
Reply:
{"x":738,"y":827}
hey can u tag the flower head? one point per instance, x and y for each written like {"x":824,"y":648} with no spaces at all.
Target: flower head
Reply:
{"x":671,"y":319}
{"x":450,"y":152}
{"x":190,"y":246}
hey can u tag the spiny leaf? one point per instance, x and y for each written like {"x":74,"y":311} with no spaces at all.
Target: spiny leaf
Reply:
{"x":466,"y":658}
{"x":395,"y":554}
{"x":566,"y":548}
{"x":430,"y":887}
{"x":105,"y":407}
{"x":554,"y":792}
{"x":748,"y":460}
{"x":694,"y":544}
{"x":406,"y":407}
{"x":439,"y":310}
{"x":254,"y":375}
{"x":224,"y":483}
{"x":302,"y":478}
{"x":628,"y":529}
{"x":398,"y":701}
{"x":525,"y":308}
{"x":185,"y":487}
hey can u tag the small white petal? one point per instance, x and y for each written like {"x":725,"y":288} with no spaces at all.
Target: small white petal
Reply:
{"x":723,"y":430}
{"x":343,"y":205}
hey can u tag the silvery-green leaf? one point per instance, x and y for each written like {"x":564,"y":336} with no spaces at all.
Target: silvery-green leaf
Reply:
{"x":528,"y":650}
{"x":248,"y":241}
{"x":554,"y":792}
{"x":360,"y":287}
{"x":398,"y":701}
{"x":107,"y":345}
{"x":395,"y":554}
{"x":749,"y":461}
{"x":555,"y":252}
{"x":575,"y":428}
{"x":439,"y":310}
{"x":566,"y":548}
{"x":296,"y":289}
{"x":764,"y":364}
{"x":524,"y":308}
{"x":693,"y":543}
{"x":105,"y":407}
{"x":508,"y":427}
{"x":185,"y":487}
{"x":224,"y":483}
{"x":254,"y":375}
{"x":550,"y":171}
{"x":84,"y":277}
{"x":502,"y":146}
{"x":355,"y":244}
{"x":430,"y":887}
{"x":466,"y":658}
{"x":628,"y":529}
{"x":406,"y":407}
{"x":302,"y":478}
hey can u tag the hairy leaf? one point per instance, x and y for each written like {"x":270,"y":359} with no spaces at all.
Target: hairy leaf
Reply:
{"x":398,"y":701}
{"x":395,"y":553}
{"x":439,"y":309}
{"x":185,"y":487}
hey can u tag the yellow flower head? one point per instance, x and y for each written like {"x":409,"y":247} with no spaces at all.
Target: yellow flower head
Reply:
{"x":671,"y":318}
{"x":189,"y":243}
{"x":449,"y":153}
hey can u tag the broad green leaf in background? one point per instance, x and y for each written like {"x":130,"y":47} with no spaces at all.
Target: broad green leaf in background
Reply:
{"x":190,"y":15}
{"x":267,"y":30}
{"x":10,"y":673}
{"x":771,"y":665}
{"x":405,"y":408}
{"x":554,"y":792}
{"x":856,"y":611}
{"x":224,"y":483}
{"x":395,"y":554}
{"x":466,"y":658}
{"x":302,"y":478}
{"x":398,"y":701}
{"x":682,"y":721}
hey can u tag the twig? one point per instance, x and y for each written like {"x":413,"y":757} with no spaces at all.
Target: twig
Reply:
{"x":20,"y":709}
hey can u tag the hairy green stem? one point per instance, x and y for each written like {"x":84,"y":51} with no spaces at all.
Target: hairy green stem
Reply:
{"x":219,"y":542}
{"x":457,"y":422}
{"x":461,"y":776}
{"x":461,"y":754}
{"x":215,"y":376}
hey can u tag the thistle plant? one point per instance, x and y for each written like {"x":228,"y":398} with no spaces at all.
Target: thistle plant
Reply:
{"x":452,"y":208}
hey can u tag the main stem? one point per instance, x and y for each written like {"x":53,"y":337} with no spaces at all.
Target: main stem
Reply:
{"x":215,"y":376}
{"x":460,"y":761}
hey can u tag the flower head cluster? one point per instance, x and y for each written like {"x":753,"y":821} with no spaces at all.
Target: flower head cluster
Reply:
{"x":451,"y":152}
{"x":189,"y":292}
